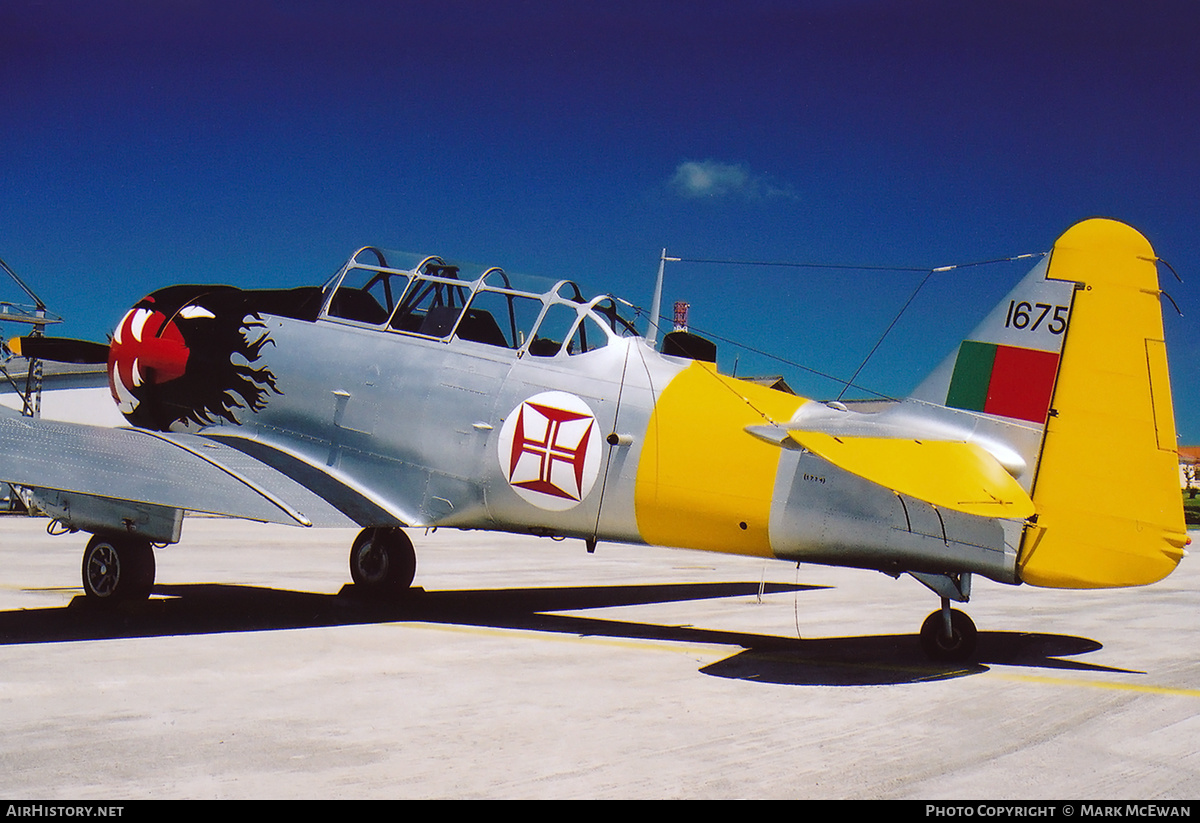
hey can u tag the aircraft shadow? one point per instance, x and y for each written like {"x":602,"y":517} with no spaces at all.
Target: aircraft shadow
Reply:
{"x":212,"y":608}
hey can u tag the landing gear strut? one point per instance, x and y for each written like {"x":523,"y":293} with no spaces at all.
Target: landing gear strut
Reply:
{"x":117,"y":569}
{"x":382,"y":560}
{"x":948,"y":635}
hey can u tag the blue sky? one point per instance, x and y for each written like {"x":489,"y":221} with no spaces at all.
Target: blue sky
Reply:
{"x":147,"y":142}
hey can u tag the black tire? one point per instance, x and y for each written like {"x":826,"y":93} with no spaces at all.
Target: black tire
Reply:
{"x":959,"y":646}
{"x":117,"y":569}
{"x":383,"y":560}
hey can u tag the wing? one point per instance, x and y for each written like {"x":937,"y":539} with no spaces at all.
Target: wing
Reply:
{"x":170,"y":471}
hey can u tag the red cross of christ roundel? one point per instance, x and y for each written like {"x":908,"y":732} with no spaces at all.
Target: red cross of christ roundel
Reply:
{"x":549,"y":450}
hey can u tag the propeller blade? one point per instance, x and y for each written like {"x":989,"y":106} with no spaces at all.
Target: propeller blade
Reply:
{"x":59,"y":349}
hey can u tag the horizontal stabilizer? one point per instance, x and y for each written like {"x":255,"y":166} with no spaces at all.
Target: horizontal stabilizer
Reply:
{"x":954,"y":475}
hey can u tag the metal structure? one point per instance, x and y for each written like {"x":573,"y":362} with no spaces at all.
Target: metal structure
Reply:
{"x":37,"y":317}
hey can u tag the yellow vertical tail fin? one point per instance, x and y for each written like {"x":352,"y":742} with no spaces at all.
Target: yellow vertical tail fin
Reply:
{"x":1109,"y":510}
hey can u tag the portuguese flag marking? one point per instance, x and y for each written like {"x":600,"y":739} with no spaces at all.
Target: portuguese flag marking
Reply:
{"x":1003,"y":380}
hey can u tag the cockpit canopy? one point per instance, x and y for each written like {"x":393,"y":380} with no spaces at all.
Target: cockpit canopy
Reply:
{"x":434,"y":299}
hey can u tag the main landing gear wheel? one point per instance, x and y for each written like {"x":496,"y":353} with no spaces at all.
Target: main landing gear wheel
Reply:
{"x":382,"y":560}
{"x":956,"y":646}
{"x":117,"y":569}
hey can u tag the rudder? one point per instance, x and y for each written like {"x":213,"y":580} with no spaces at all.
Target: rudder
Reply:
{"x":1109,"y":511}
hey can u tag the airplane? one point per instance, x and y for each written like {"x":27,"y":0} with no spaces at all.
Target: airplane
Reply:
{"x":413,"y":395}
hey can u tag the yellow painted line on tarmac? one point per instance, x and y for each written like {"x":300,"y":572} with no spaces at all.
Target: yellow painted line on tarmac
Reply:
{"x":719,"y":650}
{"x":1097,"y":684}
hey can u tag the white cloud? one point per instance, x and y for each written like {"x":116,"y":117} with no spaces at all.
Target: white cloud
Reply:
{"x":708,"y":179}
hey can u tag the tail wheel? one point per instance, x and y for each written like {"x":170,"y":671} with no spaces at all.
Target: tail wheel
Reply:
{"x":118,"y":569}
{"x":958,"y":645}
{"x":382,"y":559}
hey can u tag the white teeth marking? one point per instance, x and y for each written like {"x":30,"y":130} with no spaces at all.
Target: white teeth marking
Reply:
{"x":126,"y":402}
{"x":137,"y":374}
{"x":121,"y":326}
{"x":195,"y":312}
{"x":140,"y":316}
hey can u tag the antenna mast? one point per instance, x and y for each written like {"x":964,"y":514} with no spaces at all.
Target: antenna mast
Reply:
{"x":656,"y":303}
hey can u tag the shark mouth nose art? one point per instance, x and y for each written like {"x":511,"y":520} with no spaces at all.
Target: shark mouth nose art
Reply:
{"x":147,"y":348}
